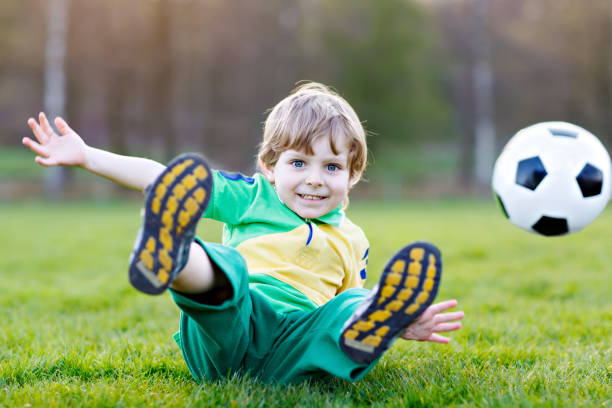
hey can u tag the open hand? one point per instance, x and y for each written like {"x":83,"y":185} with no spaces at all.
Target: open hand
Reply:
{"x":433,"y":321}
{"x":53,"y":149}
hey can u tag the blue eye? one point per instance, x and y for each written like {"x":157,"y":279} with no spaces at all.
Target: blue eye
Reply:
{"x":332,"y":167}
{"x":297,"y":163}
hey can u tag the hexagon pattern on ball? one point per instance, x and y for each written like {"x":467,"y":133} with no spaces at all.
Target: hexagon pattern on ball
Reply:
{"x":551,"y":226}
{"x":563,"y":132}
{"x":590,"y":180}
{"x":552,"y":178}
{"x":530,"y":173}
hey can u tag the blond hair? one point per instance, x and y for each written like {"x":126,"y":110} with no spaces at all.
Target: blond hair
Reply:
{"x":311,"y":111}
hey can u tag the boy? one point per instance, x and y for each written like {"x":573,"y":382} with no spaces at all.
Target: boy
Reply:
{"x":283,"y":297}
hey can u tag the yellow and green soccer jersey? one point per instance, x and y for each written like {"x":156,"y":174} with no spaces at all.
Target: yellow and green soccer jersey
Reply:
{"x":296,"y":263}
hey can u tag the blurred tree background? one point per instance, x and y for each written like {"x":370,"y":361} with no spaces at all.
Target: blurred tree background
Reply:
{"x":157,"y":77}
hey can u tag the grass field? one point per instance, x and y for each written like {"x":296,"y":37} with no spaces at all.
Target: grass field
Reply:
{"x":537,"y":332}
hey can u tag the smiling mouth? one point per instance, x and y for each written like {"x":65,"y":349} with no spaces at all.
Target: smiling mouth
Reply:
{"x":311,"y":197}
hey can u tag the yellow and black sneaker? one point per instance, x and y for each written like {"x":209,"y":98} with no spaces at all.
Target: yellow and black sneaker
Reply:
{"x":173,"y":206}
{"x":407,"y":286}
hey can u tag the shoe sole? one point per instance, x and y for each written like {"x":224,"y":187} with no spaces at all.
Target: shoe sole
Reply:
{"x":174,"y":204}
{"x":408,"y":285}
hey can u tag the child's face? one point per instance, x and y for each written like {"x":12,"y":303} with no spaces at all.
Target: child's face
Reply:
{"x":311,"y":185}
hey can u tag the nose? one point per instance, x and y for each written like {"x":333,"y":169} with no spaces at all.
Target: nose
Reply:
{"x":313,"y":178}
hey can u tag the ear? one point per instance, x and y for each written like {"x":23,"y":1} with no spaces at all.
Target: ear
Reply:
{"x":354,"y":180}
{"x":268,"y":171}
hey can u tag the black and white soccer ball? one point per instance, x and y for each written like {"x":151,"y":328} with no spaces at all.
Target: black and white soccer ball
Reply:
{"x":552,"y":178}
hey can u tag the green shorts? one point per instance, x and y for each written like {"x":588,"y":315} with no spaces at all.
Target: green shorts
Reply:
{"x":246,"y":335}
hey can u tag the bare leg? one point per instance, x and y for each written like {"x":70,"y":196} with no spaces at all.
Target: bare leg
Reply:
{"x":198,"y":275}
{"x":202,"y":280}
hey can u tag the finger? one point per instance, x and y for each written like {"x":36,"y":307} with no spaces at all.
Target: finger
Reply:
{"x":45,"y":161}
{"x":446,"y":327}
{"x":442,"y":306}
{"x":62,"y":126}
{"x":448,"y":317}
{"x":436,"y":338}
{"x":35,"y":147}
{"x":38,"y":132}
{"x":44,"y":123}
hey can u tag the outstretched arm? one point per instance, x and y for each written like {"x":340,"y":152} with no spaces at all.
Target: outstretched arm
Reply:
{"x":433,"y":321}
{"x":69,"y":149}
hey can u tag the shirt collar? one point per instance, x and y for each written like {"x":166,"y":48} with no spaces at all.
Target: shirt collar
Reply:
{"x":334,"y":217}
